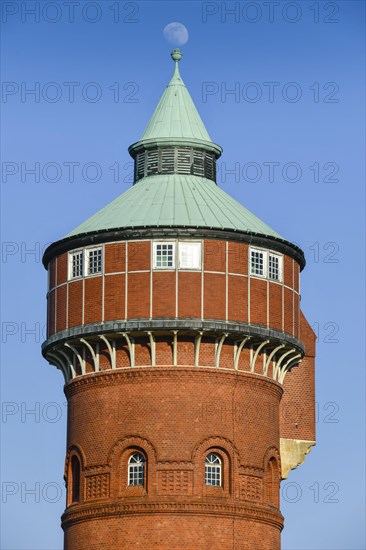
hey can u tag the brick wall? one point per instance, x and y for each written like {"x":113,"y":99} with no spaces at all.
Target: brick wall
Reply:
{"x":129,"y":289}
{"x":297,"y":411}
{"x":175,"y":417}
{"x":173,"y":532}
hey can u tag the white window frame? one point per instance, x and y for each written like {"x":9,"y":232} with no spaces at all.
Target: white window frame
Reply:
{"x":136,"y":470}
{"x":85,"y":259}
{"x":73,"y":253}
{"x":177,"y":255}
{"x":213,"y":470}
{"x":280,"y":262}
{"x":155,"y":255}
{"x":196,"y":244}
{"x":266,"y":254}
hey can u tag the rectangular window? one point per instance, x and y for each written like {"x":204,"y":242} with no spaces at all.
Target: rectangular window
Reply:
{"x":164,"y":255}
{"x":265,"y":263}
{"x":85,"y":262}
{"x":273,"y":267}
{"x":189,"y":255}
{"x":213,"y":476}
{"x":136,"y":475}
{"x":94,"y":261}
{"x":77,"y":264}
{"x":257,"y":263}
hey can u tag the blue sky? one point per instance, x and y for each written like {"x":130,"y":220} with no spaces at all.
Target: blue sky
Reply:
{"x":293,"y":133}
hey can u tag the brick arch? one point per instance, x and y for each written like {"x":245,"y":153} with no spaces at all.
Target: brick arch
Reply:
{"x":78,"y":450}
{"x":131,"y":441}
{"x":272,"y":477}
{"x":74,"y":451}
{"x":118,"y":460}
{"x":229,"y":456}
{"x":216,"y":441}
{"x":271,"y":452}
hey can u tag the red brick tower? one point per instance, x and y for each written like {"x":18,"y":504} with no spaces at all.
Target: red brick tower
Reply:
{"x":174,"y":316}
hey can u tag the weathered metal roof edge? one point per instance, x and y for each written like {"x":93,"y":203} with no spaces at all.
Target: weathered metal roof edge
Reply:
{"x":169,"y":324}
{"x":183,"y":231}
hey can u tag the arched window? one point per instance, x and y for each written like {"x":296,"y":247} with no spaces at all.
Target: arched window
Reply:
{"x":213,"y":470}
{"x":272,"y":482}
{"x":136,"y":469}
{"x":75,"y":479}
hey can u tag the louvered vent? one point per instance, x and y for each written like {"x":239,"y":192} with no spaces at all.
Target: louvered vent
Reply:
{"x":210,"y":167}
{"x":175,"y":160}
{"x":152,"y":162}
{"x":198,"y":163}
{"x":167,"y":161}
{"x":140,"y":165}
{"x":184,"y":162}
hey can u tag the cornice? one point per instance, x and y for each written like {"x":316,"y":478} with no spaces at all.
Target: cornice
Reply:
{"x":81,"y":513}
{"x":127,"y":233}
{"x":138,"y":374}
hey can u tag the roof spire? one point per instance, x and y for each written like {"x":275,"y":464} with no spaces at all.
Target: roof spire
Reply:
{"x":175,"y":120}
{"x":176,"y":55}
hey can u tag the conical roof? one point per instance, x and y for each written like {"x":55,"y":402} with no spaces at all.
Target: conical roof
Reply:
{"x":176,"y":115}
{"x":175,"y":200}
{"x":176,"y":119}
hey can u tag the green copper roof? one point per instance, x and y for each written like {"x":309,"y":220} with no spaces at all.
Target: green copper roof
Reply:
{"x":175,"y":200}
{"x":176,"y":117}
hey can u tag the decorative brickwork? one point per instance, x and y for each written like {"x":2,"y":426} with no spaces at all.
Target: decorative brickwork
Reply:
{"x":97,"y":486}
{"x":174,"y":482}
{"x":251,"y":488}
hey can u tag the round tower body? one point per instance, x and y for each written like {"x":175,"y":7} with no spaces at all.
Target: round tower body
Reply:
{"x":174,"y":331}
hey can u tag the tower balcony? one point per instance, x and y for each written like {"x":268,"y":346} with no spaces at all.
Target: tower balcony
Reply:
{"x":114,"y":345}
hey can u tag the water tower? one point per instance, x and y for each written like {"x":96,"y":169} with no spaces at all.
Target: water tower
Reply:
{"x":174,"y":316}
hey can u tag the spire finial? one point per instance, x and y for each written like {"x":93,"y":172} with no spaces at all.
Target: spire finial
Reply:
{"x":176,"y":55}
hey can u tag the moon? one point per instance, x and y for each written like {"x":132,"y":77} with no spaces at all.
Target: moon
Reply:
{"x":176,"y":34}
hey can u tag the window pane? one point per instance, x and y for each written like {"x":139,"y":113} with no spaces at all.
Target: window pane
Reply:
{"x":95,"y":261}
{"x":136,"y":467}
{"x":77,"y":264}
{"x":273,"y":267}
{"x":75,"y":479}
{"x":190,"y":255}
{"x":256,"y":262}
{"x":213,"y":470}
{"x":164,"y":255}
